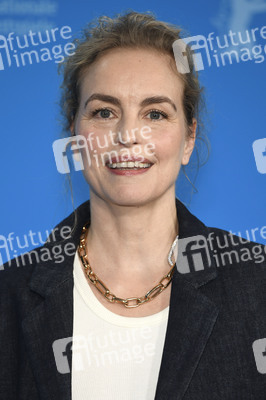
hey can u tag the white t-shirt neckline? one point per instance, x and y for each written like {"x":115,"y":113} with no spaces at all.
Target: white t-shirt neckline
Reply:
{"x":91,"y":301}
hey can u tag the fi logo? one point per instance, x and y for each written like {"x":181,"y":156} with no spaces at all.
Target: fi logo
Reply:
{"x":259,"y":350}
{"x":259,"y":150}
{"x":199,"y":46}
{"x":78,"y":153}
{"x":63,"y":353}
{"x":193,"y":254}
{"x":4,"y":46}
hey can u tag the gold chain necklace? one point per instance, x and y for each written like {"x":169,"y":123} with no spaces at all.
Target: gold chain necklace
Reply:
{"x":130,"y":302}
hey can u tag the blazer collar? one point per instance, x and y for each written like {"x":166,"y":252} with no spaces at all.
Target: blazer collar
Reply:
{"x":191,"y":316}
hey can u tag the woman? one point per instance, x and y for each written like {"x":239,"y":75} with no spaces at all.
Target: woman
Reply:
{"x":142,"y":320}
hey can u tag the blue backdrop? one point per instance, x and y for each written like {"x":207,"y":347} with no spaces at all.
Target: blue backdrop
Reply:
{"x":231,"y":185}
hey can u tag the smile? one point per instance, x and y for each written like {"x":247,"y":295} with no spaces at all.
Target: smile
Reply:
{"x":135,"y":165}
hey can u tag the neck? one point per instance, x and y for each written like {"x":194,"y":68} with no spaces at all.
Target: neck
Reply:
{"x":130,"y":241}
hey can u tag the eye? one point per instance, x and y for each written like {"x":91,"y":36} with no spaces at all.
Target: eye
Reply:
{"x":157,"y":115}
{"x":104,"y":113}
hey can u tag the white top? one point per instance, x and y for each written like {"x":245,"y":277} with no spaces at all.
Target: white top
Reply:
{"x":113,"y":357}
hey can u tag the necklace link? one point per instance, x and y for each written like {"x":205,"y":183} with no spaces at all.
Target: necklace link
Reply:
{"x":130,"y":302}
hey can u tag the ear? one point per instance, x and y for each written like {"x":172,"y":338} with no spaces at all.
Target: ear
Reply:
{"x":190,"y":143}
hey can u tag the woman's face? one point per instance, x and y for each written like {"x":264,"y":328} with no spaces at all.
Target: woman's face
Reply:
{"x":131,"y":109}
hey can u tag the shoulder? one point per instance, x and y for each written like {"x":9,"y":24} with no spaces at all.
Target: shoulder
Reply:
{"x":14,"y":288}
{"x":61,"y":241}
{"x":16,"y":274}
{"x":230,"y":250}
{"x":226,"y":267}
{"x":240,"y":283}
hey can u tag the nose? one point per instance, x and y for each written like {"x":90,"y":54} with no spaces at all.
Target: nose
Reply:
{"x":128,"y":132}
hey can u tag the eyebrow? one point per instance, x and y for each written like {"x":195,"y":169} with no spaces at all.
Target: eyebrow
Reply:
{"x":115,"y":101}
{"x":103,"y":97}
{"x":157,"y":100}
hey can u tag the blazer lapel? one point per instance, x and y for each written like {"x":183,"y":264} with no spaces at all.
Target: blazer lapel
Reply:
{"x":48,"y":330}
{"x":52,"y":320}
{"x":192,"y":315}
{"x":191,"y":320}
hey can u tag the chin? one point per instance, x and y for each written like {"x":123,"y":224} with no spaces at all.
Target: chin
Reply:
{"x":131,"y":198}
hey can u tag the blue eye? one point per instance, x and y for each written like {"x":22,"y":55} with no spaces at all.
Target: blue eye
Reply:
{"x":157,"y":115}
{"x":105,"y":113}
{"x":102,"y":113}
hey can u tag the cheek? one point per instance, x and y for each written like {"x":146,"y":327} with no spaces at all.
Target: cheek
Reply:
{"x":169,"y":147}
{"x":84,"y":127}
{"x":98,"y":139}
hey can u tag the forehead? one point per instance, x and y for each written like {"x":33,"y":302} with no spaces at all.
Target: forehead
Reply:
{"x":132,"y":73}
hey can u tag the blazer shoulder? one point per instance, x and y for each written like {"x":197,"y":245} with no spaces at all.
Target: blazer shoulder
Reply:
{"x":14,"y":284}
{"x":241,"y":269}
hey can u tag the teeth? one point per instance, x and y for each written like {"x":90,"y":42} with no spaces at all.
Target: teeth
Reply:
{"x":129,"y":164}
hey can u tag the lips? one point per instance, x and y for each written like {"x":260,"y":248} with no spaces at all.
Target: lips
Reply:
{"x":132,"y":163}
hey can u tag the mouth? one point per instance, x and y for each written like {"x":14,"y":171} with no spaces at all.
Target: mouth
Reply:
{"x":129,"y":165}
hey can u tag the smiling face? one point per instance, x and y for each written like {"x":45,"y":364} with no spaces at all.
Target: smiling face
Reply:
{"x":131,"y":108}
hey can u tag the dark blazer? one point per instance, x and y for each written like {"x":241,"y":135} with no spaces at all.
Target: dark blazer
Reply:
{"x":216,"y":314}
